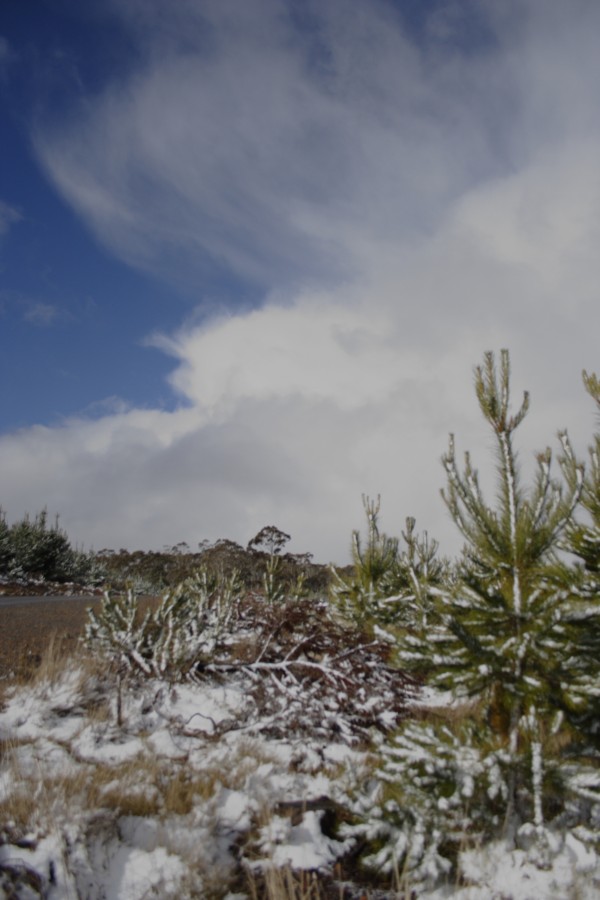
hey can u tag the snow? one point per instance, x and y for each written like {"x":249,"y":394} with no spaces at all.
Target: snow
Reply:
{"x":302,"y":846}
{"x":102,"y":852}
{"x":233,"y":809}
{"x":243,"y":797}
{"x":94,"y":746}
{"x":130,"y":871}
{"x":499,"y":872}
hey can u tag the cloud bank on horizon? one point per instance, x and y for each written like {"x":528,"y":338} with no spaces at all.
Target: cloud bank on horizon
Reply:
{"x":403,"y":196}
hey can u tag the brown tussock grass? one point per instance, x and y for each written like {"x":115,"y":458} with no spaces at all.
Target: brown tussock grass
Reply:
{"x":286,"y":884}
{"x":144,"y":786}
{"x":40,"y":798}
{"x":59,"y":654}
{"x":184,"y":787}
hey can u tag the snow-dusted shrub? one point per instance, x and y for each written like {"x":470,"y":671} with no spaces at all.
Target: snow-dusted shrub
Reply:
{"x":308,"y":673}
{"x":172,"y":640}
{"x":301,"y":670}
{"x":441,"y":788}
{"x":437,"y":789}
{"x":391,"y":584}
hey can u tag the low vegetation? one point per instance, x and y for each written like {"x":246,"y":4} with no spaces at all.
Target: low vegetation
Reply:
{"x":407,"y":725}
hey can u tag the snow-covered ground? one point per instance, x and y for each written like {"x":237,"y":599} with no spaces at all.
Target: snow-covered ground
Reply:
{"x":156,"y":806}
{"x":191,"y":790}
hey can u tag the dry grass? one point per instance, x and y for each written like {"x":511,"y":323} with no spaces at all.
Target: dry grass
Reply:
{"x":47,"y":667}
{"x":39,"y":799}
{"x":21,"y":809}
{"x":286,"y":884}
{"x":94,"y":686}
{"x":144,"y":786}
{"x":452,"y":715}
{"x":54,"y":659}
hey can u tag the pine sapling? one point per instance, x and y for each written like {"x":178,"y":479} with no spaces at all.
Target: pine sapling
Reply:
{"x":582,"y":619}
{"x":356,"y":596}
{"x":501,"y":633}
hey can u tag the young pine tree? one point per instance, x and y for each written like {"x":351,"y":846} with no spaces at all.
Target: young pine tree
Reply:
{"x":502,"y":636}
{"x":582,"y":625}
{"x":357,"y":596}
{"x":503,"y":614}
{"x":6,"y":553}
{"x":415,"y":582}
{"x":393,"y":586}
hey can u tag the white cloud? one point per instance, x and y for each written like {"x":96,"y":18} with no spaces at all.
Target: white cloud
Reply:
{"x":8,"y":216}
{"x":42,"y":314}
{"x":404,"y":208}
{"x":250,"y":154}
{"x":6,"y":53}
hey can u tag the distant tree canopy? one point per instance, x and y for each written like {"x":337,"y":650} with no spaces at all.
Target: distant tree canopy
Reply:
{"x":269,"y":540}
{"x":34,"y":549}
{"x":151,"y":571}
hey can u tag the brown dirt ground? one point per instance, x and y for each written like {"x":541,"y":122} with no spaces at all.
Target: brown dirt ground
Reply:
{"x":26,"y":631}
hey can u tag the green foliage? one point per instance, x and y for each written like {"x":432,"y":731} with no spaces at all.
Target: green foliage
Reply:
{"x":390,"y":585}
{"x":509,"y":633}
{"x":582,"y":624}
{"x":502,"y":623}
{"x":5,"y":546}
{"x":31,"y":548}
{"x":276,"y":588}
{"x":583,"y":538}
{"x":439,"y":789}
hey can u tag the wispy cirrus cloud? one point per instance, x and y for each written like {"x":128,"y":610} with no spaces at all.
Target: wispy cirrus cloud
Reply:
{"x":403,"y":203}
{"x":8,"y":216}
{"x":275,"y":151}
{"x":42,"y":314}
{"x":7,"y":54}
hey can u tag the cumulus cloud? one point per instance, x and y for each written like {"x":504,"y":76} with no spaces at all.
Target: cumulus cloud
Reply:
{"x":403,"y":202}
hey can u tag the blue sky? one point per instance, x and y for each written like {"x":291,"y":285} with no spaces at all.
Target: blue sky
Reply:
{"x":74,"y":317}
{"x":250,"y":253}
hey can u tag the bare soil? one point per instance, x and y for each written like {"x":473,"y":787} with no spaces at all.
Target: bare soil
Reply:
{"x":26,"y":630}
